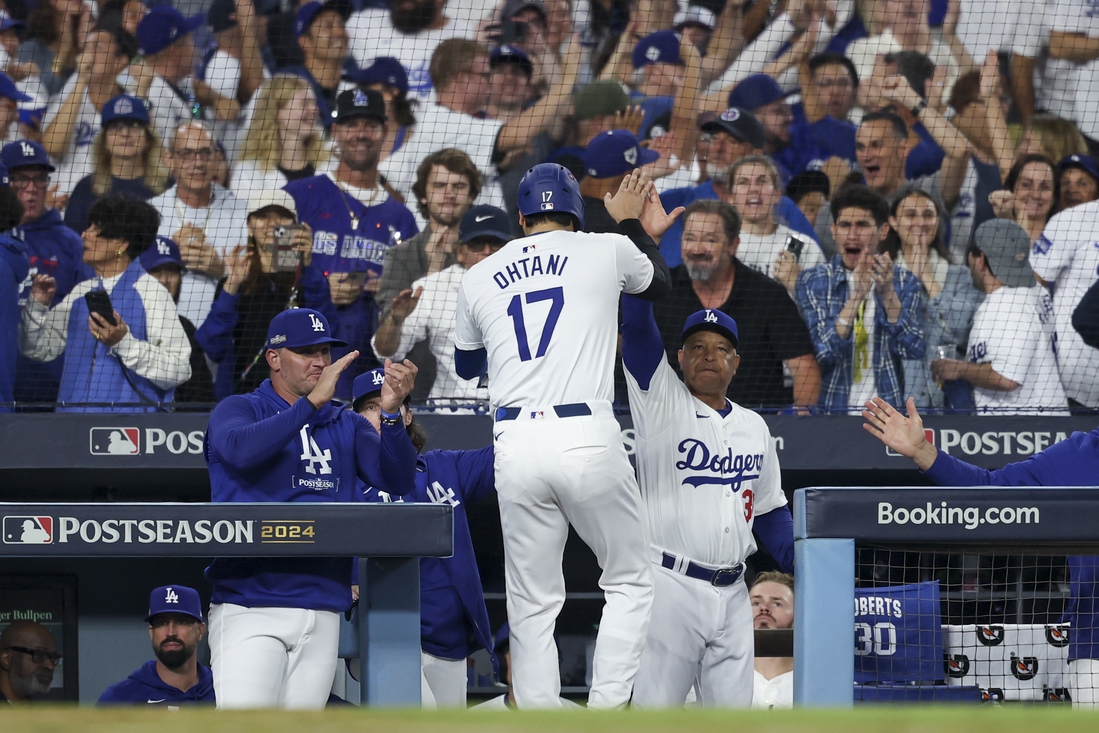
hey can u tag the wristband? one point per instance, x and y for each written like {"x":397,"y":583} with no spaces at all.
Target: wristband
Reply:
{"x":391,"y":419}
{"x":920,"y":107}
{"x":843,"y":322}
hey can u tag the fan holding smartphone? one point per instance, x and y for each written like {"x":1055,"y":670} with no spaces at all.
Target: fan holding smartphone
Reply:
{"x":124,"y":347}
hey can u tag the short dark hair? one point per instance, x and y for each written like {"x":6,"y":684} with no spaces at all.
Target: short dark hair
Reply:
{"x":134,"y":222}
{"x":730,"y":219}
{"x":455,"y":161}
{"x":915,"y":67}
{"x":807,"y":182}
{"x":829,"y":59}
{"x":556,"y":217}
{"x":11,"y":210}
{"x":900,"y":130}
{"x":112,"y":23}
{"x":857,"y":196}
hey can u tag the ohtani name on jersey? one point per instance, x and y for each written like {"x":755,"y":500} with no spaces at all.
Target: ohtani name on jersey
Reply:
{"x":529,"y":267}
{"x":725,"y":469}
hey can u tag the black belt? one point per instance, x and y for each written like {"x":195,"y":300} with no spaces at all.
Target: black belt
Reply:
{"x":576,"y":409}
{"x":719,"y":578}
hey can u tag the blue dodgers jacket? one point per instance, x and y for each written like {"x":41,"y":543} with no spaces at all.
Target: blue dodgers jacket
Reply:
{"x":1072,"y":462}
{"x":13,"y":271}
{"x":144,"y":687}
{"x":452,"y":602}
{"x":259,"y":448}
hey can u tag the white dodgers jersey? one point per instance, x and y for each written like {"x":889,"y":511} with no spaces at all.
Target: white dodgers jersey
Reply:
{"x":545,"y":308}
{"x":703,"y":477}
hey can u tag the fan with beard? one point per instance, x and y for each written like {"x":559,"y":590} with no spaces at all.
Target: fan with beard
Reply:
{"x":412,"y":16}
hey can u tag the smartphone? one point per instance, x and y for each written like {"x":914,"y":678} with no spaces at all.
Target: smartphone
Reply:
{"x":99,"y":302}
{"x":510,"y":31}
{"x":795,"y":246}
{"x":286,"y":253}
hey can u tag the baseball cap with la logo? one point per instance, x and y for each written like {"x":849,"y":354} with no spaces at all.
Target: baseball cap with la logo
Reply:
{"x":300,"y":327}
{"x":711,"y":320}
{"x":174,"y":599}
{"x":615,"y":153}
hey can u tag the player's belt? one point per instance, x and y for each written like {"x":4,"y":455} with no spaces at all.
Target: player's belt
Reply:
{"x":575,"y":409}
{"x":719,"y":578}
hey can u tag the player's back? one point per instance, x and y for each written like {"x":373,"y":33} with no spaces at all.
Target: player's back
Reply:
{"x":545,"y":308}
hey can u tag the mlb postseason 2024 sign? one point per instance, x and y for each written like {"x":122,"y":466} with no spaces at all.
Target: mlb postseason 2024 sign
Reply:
{"x":226,"y":530}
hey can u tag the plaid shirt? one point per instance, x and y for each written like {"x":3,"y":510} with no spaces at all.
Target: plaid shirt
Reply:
{"x":821,"y":295}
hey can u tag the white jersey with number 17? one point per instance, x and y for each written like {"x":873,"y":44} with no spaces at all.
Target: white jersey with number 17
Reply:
{"x":545,"y":308}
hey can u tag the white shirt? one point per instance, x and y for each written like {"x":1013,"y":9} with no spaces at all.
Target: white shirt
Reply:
{"x":164,"y":358}
{"x":546,"y":310}
{"x":434,"y":319}
{"x":1079,"y":16}
{"x":247,"y":176}
{"x":1067,"y":255}
{"x":991,"y":24}
{"x":225,"y":224}
{"x":773,"y":694}
{"x":759,"y":251}
{"x":167,"y":109}
{"x":440,"y":127}
{"x":703,"y":477}
{"x":1054,"y":79}
{"x":1013,"y":331}
{"x":78,"y":161}
{"x":372,"y":35}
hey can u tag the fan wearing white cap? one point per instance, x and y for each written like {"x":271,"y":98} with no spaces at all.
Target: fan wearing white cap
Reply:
{"x":261,"y":281}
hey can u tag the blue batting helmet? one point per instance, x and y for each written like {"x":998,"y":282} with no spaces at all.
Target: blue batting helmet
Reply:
{"x":551,"y":188}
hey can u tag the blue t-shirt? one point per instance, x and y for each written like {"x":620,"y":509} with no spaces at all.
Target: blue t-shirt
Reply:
{"x":144,"y":687}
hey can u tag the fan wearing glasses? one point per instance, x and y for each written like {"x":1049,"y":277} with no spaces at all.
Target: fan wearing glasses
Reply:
{"x":28,"y":658}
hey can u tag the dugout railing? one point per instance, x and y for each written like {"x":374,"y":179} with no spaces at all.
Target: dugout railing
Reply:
{"x":389,"y":539}
{"x":929,"y":534}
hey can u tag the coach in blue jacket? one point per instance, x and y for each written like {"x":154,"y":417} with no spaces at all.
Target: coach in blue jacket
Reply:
{"x":453,"y":618}
{"x":274,"y":623}
{"x":175,"y":677}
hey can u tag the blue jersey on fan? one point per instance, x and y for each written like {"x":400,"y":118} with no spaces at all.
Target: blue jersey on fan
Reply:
{"x":453,"y":618}
{"x":331,"y":212}
{"x":259,"y":448}
{"x":144,"y":687}
{"x":1072,"y":462}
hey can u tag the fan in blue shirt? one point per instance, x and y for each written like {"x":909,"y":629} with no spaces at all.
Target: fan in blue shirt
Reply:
{"x":175,"y":677}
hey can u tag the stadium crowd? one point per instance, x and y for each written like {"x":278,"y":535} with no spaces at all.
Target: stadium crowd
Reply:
{"x":956,"y":134}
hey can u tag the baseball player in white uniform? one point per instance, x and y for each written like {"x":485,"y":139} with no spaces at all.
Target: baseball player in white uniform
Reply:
{"x":708,"y":472}
{"x":543,"y":312}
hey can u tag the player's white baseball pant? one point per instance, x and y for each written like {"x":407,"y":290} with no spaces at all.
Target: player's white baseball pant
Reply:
{"x":1084,"y":683}
{"x":551,"y":472}
{"x":273,"y":657}
{"x":698,"y":632}
{"x":442,"y":682}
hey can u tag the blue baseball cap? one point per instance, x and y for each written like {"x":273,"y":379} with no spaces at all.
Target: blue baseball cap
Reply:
{"x":308,"y":12}
{"x":661,"y":47}
{"x":369,"y":383}
{"x":382,"y":70}
{"x":124,"y":107}
{"x":484,"y":221}
{"x":756,"y":91}
{"x":508,"y":54}
{"x":9,"y":90}
{"x":615,"y":153}
{"x":163,"y":252}
{"x":711,"y":320}
{"x":174,"y":599}
{"x":300,"y":327}
{"x":1085,"y":163}
{"x":162,"y":26}
{"x":23,"y":153}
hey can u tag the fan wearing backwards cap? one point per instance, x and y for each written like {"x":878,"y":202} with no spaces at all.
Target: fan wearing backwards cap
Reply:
{"x":275,"y":622}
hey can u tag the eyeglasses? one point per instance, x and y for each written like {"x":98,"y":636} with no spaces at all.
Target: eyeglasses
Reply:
{"x":187,"y":154}
{"x":38,"y":656}
{"x":24,"y":181}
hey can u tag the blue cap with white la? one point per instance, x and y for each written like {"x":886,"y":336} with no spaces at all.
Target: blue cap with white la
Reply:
{"x":24,"y":153}
{"x":300,"y":327}
{"x":174,"y":599}
{"x":367,"y":384}
{"x":163,"y":252}
{"x":661,"y":47}
{"x":711,"y":320}
{"x":124,"y":107}
{"x":615,"y":153}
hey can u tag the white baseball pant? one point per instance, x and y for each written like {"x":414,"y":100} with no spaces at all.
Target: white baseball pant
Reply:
{"x":552,"y":472}
{"x":442,"y":682}
{"x":1083,"y":679}
{"x":699,"y":633}
{"x":273,"y":657}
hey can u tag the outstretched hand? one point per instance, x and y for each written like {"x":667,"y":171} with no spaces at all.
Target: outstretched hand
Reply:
{"x":903,"y":434}
{"x":629,"y":200}
{"x":654,"y":219}
{"x":400,"y":378}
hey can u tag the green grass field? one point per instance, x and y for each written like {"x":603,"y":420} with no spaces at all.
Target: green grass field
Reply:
{"x":893,"y":719}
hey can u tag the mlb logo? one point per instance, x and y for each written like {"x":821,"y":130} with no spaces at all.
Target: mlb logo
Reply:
{"x":115,"y":441}
{"x":928,"y":435}
{"x":28,"y":530}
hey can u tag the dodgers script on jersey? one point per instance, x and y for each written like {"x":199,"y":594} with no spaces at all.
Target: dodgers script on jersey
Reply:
{"x":704,"y":477}
{"x":545,"y":309}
